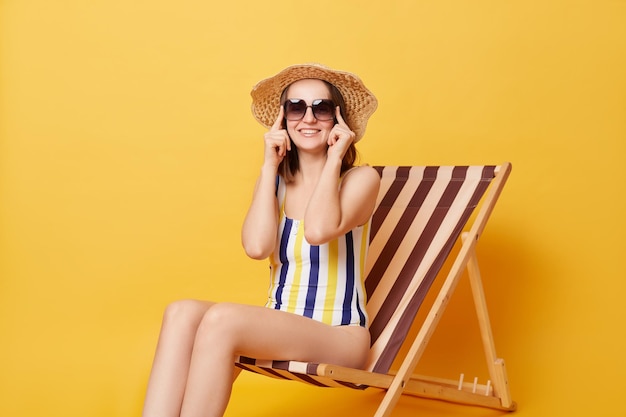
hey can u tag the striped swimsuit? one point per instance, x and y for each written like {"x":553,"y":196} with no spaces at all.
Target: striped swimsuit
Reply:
{"x":320,"y":282}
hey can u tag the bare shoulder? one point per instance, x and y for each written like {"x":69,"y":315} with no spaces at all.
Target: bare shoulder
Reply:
{"x":360,"y":186}
{"x":358,"y":193}
{"x":364,"y":175}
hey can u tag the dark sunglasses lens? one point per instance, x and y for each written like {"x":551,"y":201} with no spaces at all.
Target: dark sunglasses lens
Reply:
{"x":323,"y":109}
{"x":295,"y":109}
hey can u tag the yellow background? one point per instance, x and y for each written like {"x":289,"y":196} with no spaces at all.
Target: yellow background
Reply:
{"x":128,"y":151}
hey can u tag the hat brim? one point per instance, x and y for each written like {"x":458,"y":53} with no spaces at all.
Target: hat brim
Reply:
{"x":360,"y":102}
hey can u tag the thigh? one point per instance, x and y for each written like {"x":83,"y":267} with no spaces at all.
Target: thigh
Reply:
{"x":265,"y":333}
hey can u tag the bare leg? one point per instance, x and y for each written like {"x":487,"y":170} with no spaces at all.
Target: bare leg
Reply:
{"x":227,"y":330}
{"x":170,"y":369}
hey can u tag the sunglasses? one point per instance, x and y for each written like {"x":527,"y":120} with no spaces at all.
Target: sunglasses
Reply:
{"x":323,"y":109}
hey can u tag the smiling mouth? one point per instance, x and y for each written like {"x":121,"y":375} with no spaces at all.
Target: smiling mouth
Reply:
{"x":309,"y":131}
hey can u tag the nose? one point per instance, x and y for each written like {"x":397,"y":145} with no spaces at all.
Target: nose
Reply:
{"x":309,"y":117}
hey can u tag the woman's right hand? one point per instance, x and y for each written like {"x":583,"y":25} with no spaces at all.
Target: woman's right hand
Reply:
{"x":277,"y":142}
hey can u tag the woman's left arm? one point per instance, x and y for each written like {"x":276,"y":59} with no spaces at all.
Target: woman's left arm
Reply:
{"x":334,"y":209}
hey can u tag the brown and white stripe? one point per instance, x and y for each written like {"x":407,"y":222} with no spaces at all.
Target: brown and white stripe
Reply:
{"x":420,"y":213}
{"x":292,"y":370}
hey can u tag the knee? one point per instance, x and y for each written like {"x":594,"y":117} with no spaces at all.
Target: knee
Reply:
{"x":219,"y":316}
{"x":186,"y":313}
{"x":218,"y":324}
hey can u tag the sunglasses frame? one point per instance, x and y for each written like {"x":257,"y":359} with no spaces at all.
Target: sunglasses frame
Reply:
{"x":314,"y":107}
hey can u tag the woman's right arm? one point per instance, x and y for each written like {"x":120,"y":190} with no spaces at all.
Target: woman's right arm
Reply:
{"x":260,"y":227}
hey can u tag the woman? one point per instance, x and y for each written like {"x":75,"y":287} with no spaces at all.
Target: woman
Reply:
{"x":309,"y":214}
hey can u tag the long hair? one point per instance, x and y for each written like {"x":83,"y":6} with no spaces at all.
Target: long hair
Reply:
{"x":290,"y":165}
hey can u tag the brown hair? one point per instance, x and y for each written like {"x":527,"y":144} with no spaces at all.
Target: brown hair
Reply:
{"x":291,"y":164}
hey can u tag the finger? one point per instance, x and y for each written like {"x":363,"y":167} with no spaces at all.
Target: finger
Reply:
{"x":340,"y":120}
{"x":334,"y":135}
{"x":279,"y":120}
{"x":278,"y":145}
{"x":280,"y":150}
{"x":282,"y":141}
{"x":287,"y":142}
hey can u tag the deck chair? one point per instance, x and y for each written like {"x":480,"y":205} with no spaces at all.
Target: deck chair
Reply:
{"x":420,"y":214}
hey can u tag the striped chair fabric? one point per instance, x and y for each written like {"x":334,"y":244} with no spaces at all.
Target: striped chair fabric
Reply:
{"x":420,"y":213}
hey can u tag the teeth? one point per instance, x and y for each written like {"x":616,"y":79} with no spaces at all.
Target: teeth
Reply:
{"x":308,"y":132}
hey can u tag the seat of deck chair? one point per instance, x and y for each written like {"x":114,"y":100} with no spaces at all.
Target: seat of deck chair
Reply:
{"x":420,"y":214}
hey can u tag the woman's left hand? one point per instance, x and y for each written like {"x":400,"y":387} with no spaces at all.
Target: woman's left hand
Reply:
{"x":340,"y":137}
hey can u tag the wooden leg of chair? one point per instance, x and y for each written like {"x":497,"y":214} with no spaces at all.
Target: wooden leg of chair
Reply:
{"x":503,"y":381}
{"x":391,"y":398}
{"x":497,"y":371}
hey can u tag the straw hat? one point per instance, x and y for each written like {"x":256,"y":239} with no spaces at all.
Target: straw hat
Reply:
{"x":360,"y":102}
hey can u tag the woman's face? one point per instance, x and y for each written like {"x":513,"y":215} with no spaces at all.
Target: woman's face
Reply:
{"x":309,"y":133}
